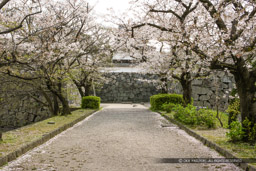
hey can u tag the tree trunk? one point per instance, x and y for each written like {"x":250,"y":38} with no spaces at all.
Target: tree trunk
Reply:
{"x":80,"y":90}
{"x":56,"y":108}
{"x":247,"y":101}
{"x":164,"y":89}
{"x":65,"y":105}
{"x":87,"y":88}
{"x":58,"y":93}
{"x":53,"y":107}
{"x":1,"y":136}
{"x":245,"y":83}
{"x":186,"y":84}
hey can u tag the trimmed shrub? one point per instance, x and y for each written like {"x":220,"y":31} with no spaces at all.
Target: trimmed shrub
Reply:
{"x":90,"y":102}
{"x":168,"y":107}
{"x":156,"y":101}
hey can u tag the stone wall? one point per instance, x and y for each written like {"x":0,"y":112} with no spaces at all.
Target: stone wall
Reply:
{"x":17,"y":107}
{"x":128,"y":87}
{"x":205,"y":91}
{"x":22,"y":111}
{"x":138,"y":87}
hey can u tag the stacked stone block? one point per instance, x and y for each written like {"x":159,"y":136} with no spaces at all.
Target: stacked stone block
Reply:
{"x":138,"y":87}
{"x":128,"y":87}
{"x":17,"y":111}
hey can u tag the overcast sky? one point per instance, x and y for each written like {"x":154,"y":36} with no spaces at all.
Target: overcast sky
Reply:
{"x":102,"y":6}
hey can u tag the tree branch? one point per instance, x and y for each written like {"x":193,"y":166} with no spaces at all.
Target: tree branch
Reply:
{"x":3,"y":3}
{"x":20,"y":25}
{"x":215,"y":64}
{"x":166,"y":11}
{"x":152,"y":25}
{"x":251,"y":46}
{"x":20,"y":77}
{"x":176,"y":77}
{"x":251,"y":14}
{"x":183,"y":16}
{"x":213,"y":12}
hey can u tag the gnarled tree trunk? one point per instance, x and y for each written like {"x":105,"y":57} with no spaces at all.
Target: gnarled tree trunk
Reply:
{"x":65,"y":105}
{"x":164,"y":88}
{"x":83,"y":88}
{"x":245,"y":84}
{"x":187,"y":90}
{"x":56,"y":90}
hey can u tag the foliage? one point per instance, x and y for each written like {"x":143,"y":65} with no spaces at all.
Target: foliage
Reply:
{"x":191,"y":116}
{"x":233,"y":110}
{"x":218,"y":34}
{"x":242,"y":131}
{"x":61,"y":43}
{"x":186,"y":115}
{"x":250,"y":130}
{"x":168,"y":107}
{"x":206,"y":118}
{"x":236,"y":132}
{"x":156,"y":101}
{"x":233,"y":92}
{"x":90,"y":102}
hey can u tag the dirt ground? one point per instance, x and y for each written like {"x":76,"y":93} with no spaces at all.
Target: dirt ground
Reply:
{"x":118,"y":138}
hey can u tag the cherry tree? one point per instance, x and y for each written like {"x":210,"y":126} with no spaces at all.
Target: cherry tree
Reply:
{"x":13,"y":16}
{"x":184,"y":65}
{"x":230,"y":26}
{"x":222,"y":32}
{"x":48,"y":46}
{"x":85,"y":73}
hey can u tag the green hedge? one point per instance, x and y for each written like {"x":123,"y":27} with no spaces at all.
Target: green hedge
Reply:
{"x":156,"y":101}
{"x":90,"y":102}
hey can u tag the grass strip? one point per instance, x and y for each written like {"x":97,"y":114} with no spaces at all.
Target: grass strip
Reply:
{"x":16,"y":139}
{"x":218,"y":136}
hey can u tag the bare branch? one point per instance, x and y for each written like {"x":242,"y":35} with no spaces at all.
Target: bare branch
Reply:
{"x":19,"y":77}
{"x":213,"y":12}
{"x":152,"y":25}
{"x":251,"y":14}
{"x":166,"y":11}
{"x":183,"y":16}
{"x":215,"y":64}
{"x":20,"y":25}
{"x":251,"y":46}
{"x":3,"y":3}
{"x":176,"y":77}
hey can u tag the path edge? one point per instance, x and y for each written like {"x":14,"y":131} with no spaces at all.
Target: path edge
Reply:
{"x":31,"y":145}
{"x":210,"y":144}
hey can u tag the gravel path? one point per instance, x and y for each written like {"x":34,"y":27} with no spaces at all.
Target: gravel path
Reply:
{"x":118,"y":138}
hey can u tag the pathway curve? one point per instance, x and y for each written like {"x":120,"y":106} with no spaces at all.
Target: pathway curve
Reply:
{"x":118,"y":138}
